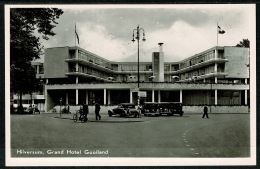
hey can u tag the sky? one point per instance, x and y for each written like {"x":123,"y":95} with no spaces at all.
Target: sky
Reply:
{"x":185,"y":30}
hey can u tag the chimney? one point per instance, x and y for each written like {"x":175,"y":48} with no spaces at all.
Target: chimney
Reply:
{"x":160,"y":47}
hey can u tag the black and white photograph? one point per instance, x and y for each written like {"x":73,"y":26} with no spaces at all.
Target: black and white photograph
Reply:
{"x":130,"y":85}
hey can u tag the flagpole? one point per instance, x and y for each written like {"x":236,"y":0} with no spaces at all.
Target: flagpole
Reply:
{"x":75,"y":34}
{"x":217,"y":33}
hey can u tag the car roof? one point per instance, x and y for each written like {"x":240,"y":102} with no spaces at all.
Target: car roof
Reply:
{"x":127,"y":104}
{"x":160,"y":102}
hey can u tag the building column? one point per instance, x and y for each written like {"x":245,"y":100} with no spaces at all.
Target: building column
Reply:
{"x":67,"y":98}
{"x":86,"y":96}
{"x":77,"y":70}
{"x":38,"y":69}
{"x":245,"y":97}
{"x":245,"y":80}
{"x":46,"y":99}
{"x":180,"y":96}
{"x":216,"y":71}
{"x":131,"y":96}
{"x":216,"y":97}
{"x":105,"y":96}
{"x":216,"y":65}
{"x":77,"y":96}
{"x":159,"y":96}
{"x":77,"y":65}
{"x":153,"y":95}
{"x":108,"y":97}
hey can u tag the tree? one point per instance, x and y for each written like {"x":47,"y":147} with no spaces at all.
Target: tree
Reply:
{"x":26,"y":25}
{"x":244,"y":43}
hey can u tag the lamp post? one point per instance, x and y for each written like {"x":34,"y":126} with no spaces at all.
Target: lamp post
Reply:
{"x":60,"y":105}
{"x":138,"y":30}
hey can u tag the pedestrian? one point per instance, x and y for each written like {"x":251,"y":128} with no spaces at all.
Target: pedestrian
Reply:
{"x":68,"y":109}
{"x":205,"y":109}
{"x":85,"y":111}
{"x":36,"y":109}
{"x":97,"y":109}
{"x":30,"y":109}
{"x":33,"y":109}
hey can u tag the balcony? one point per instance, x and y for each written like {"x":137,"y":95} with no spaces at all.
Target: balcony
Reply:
{"x":151,"y":86}
{"x":206,"y":76}
{"x":199,"y":65}
{"x":90,"y":64}
{"x":134,"y":71}
{"x":74,"y":73}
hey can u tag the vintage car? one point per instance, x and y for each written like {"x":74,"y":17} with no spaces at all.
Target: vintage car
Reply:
{"x":163,"y":108}
{"x":124,"y":110}
{"x":176,"y":108}
{"x":150,"y":108}
{"x":167,"y":108}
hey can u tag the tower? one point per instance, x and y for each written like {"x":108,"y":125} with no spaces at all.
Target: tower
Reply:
{"x":158,"y":64}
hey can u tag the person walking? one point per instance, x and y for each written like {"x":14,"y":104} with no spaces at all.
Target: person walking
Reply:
{"x":30,"y":109}
{"x":85,"y":111}
{"x":97,"y":109}
{"x":205,"y":109}
{"x":68,"y":109}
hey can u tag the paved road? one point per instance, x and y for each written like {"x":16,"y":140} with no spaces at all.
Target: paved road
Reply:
{"x":222,"y":135}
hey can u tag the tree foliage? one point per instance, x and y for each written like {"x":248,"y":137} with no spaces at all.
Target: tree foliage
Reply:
{"x":244,"y":43}
{"x":26,"y":27}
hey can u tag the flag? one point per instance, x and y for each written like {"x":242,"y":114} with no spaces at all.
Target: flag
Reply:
{"x":76,"y":34}
{"x":220,"y":31}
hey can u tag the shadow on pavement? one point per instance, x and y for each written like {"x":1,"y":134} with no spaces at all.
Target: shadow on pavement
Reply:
{"x":99,"y":121}
{"x":102,"y":121}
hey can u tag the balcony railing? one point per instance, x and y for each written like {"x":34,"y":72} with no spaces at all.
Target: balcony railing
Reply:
{"x":204,"y":76}
{"x":198,"y":65}
{"x":91,"y":64}
{"x":150,"y":86}
{"x":105,"y":78}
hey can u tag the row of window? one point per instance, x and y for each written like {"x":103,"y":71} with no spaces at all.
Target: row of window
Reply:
{"x":93,"y":59}
{"x":201,"y":58}
{"x":147,"y":67}
{"x":197,"y":72}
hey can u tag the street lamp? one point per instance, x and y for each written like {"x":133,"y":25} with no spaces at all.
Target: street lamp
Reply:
{"x":138,"y":30}
{"x":60,"y":105}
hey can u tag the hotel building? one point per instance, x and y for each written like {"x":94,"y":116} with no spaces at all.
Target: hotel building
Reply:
{"x":218,"y":77}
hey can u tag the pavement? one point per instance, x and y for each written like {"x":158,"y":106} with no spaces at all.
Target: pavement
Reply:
{"x":222,"y":135}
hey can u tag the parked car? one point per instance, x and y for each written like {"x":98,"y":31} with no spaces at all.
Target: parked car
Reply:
{"x":150,"y":108}
{"x":163,"y":108}
{"x":124,"y":110}
{"x":168,"y":108}
{"x":176,"y":108}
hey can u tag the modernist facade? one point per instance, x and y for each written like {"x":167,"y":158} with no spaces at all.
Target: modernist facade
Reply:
{"x":217,"y":76}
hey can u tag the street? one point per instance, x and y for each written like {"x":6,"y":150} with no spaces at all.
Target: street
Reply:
{"x":222,"y":135}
